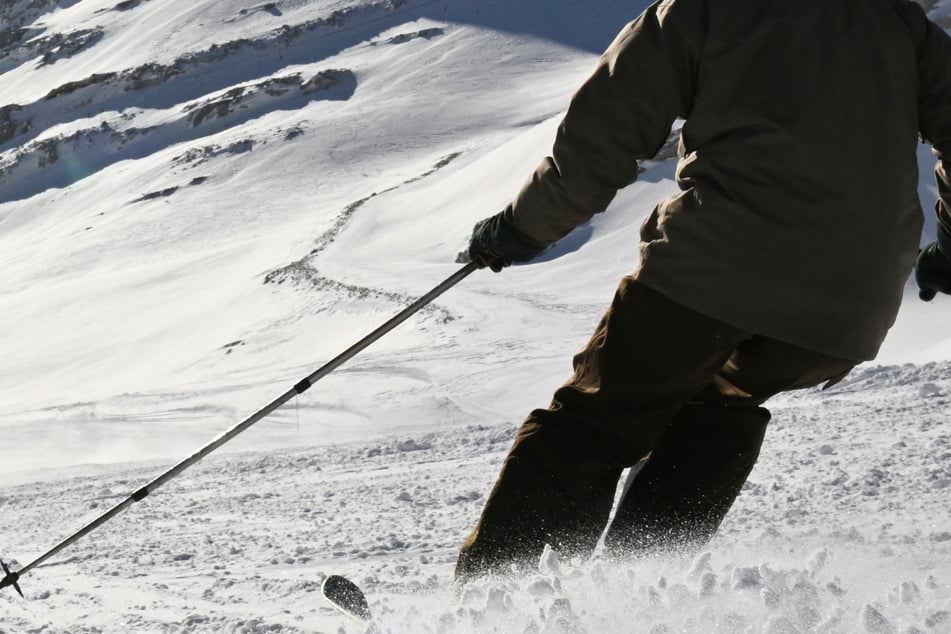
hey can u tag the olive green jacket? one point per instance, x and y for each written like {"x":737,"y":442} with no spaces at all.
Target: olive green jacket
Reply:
{"x":798,"y":216}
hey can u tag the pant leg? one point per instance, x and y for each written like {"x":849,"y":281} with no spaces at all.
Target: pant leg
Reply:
{"x":647,"y":356}
{"x":545,"y":494}
{"x":682,"y":494}
{"x":678,"y":499}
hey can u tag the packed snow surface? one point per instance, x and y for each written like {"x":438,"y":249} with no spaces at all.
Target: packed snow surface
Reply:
{"x":203,"y":202}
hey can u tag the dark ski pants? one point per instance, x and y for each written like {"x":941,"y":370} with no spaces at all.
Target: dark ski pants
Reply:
{"x":658,"y":385}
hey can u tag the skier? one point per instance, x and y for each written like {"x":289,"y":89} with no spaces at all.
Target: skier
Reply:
{"x":779,"y":265}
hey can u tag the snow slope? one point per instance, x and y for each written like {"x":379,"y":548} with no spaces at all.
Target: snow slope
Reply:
{"x":840,"y":529}
{"x":202,"y":202}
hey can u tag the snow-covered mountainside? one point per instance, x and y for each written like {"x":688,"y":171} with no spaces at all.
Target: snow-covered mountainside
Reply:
{"x":202,"y":202}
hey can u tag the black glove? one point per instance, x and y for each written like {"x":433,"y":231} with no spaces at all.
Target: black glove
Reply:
{"x":496,"y":244}
{"x":933,"y":268}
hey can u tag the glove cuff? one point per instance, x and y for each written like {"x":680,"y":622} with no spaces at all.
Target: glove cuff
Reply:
{"x":512,"y":243}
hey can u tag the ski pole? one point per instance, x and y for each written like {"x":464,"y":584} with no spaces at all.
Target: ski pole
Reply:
{"x":12,"y":578}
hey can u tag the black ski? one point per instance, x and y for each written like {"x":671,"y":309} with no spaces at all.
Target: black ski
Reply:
{"x":347,"y":597}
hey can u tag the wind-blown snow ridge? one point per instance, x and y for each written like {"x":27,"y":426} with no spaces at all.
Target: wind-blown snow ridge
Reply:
{"x":117,"y":99}
{"x":36,"y":166}
{"x":18,"y":48}
{"x":303,"y":272}
{"x":16,"y":13}
{"x":188,"y":76}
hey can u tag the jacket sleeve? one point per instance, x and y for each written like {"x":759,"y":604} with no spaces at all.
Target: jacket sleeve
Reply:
{"x":623,"y":113}
{"x":934,"y":111}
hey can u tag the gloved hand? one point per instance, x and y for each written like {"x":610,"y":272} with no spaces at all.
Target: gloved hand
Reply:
{"x":933,"y":268}
{"x":496,"y":244}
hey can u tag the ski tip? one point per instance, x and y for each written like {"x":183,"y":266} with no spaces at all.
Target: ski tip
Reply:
{"x":347,"y":597}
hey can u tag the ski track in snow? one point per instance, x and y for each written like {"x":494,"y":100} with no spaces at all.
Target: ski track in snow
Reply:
{"x":831,"y":534}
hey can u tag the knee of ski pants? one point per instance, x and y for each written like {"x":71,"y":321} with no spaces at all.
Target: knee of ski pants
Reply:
{"x":711,"y":437}
{"x":722,"y":393}
{"x":717,"y":420}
